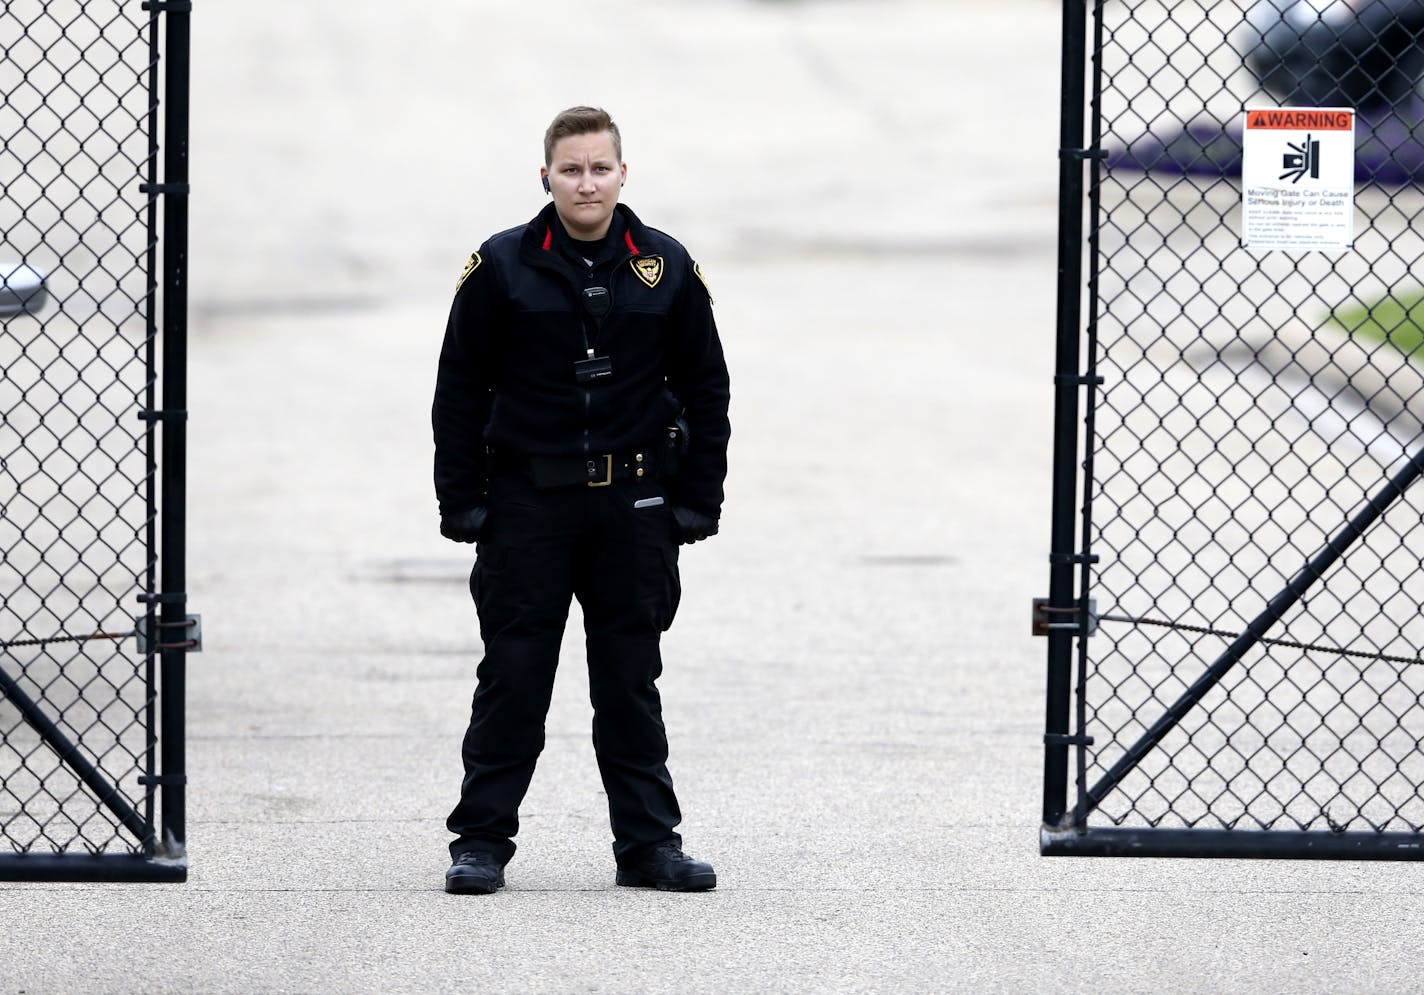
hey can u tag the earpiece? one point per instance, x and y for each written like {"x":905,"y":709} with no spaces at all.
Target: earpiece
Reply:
{"x":546,"y":184}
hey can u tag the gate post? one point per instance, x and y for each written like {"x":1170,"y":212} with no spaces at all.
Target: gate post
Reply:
{"x":1066,"y":382}
{"x":173,"y":618}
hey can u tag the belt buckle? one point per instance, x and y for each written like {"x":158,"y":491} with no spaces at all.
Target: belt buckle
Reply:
{"x":607,"y":471}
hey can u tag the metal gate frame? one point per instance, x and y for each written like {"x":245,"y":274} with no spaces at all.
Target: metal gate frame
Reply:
{"x":165,"y":630}
{"x":1068,"y":616}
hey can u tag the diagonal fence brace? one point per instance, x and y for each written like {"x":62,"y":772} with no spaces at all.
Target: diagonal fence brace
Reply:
{"x":1255,"y":632}
{"x":56,"y":740}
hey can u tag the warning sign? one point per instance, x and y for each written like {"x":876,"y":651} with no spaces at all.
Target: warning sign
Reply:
{"x":1298,"y":178}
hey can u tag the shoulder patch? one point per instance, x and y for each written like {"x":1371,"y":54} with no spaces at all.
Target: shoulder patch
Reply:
{"x":697,"y":268}
{"x":648,"y":268}
{"x":470,"y":267}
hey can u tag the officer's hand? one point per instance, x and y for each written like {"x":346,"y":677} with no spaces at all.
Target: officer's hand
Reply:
{"x":464,"y":526}
{"x":693,"y":526}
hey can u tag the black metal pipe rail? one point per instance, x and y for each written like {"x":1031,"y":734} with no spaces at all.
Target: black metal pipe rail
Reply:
{"x":1067,"y":381}
{"x":150,"y":448}
{"x":1229,"y":843}
{"x":115,"y":867}
{"x":173,"y":527}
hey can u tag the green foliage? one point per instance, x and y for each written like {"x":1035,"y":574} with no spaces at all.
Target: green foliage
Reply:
{"x":1397,"y":319}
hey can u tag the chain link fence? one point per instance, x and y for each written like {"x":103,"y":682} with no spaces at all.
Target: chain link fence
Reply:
{"x":78,"y":463}
{"x":1243,"y":593}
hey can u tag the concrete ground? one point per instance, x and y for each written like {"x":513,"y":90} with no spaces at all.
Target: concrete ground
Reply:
{"x":854,"y":701}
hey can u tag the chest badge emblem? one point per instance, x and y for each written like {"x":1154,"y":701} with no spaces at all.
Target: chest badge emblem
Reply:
{"x":649,"y":269}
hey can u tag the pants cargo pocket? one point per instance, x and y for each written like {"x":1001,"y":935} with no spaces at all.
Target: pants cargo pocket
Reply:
{"x":661,"y":587}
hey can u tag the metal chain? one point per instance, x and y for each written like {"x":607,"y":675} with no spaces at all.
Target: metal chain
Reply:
{"x":1291,"y":644}
{"x":66,"y":639}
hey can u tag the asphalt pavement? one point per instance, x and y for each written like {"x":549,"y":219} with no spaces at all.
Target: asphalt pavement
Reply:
{"x":854,"y":701}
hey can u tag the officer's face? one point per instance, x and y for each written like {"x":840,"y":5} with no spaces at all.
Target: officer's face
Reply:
{"x":585,"y":178}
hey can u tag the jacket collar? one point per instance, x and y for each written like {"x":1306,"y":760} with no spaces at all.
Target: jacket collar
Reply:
{"x":544,"y":233}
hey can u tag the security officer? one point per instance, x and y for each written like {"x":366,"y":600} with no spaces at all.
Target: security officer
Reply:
{"x":581,"y":432}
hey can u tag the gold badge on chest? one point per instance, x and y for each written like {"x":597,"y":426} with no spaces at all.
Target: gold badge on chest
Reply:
{"x":648,"y":268}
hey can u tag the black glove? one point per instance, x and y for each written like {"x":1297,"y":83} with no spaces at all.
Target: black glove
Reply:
{"x":464,"y":526}
{"x":693,"y":526}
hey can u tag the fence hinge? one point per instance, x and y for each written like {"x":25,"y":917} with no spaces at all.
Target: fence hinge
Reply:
{"x":1081,"y":154}
{"x":156,"y":189}
{"x":162,"y":779}
{"x":168,"y":6}
{"x":173,"y":598}
{"x":191,"y":628}
{"x":1060,"y":558}
{"x":147,"y":415}
{"x":1044,"y":613}
{"x":1081,"y":381}
{"x":1063,"y":739}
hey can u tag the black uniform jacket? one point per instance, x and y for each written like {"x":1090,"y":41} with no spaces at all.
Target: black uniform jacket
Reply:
{"x":517,"y":327}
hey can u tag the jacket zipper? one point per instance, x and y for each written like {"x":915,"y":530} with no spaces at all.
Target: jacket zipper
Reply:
{"x":587,"y":393}
{"x":588,"y":352}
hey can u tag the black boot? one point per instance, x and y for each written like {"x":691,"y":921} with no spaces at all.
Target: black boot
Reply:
{"x":474,"y":872}
{"x":666,"y":868}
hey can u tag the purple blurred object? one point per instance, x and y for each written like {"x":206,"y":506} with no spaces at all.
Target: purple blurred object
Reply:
{"x":1388,"y":149}
{"x":1365,"y":54}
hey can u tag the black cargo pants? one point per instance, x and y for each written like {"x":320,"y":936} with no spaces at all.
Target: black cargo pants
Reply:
{"x":620,"y":561}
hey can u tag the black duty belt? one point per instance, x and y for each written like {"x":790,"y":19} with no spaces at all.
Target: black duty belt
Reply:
{"x":598,"y":470}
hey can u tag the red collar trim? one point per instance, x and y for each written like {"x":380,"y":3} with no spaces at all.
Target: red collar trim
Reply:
{"x":627,"y":237}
